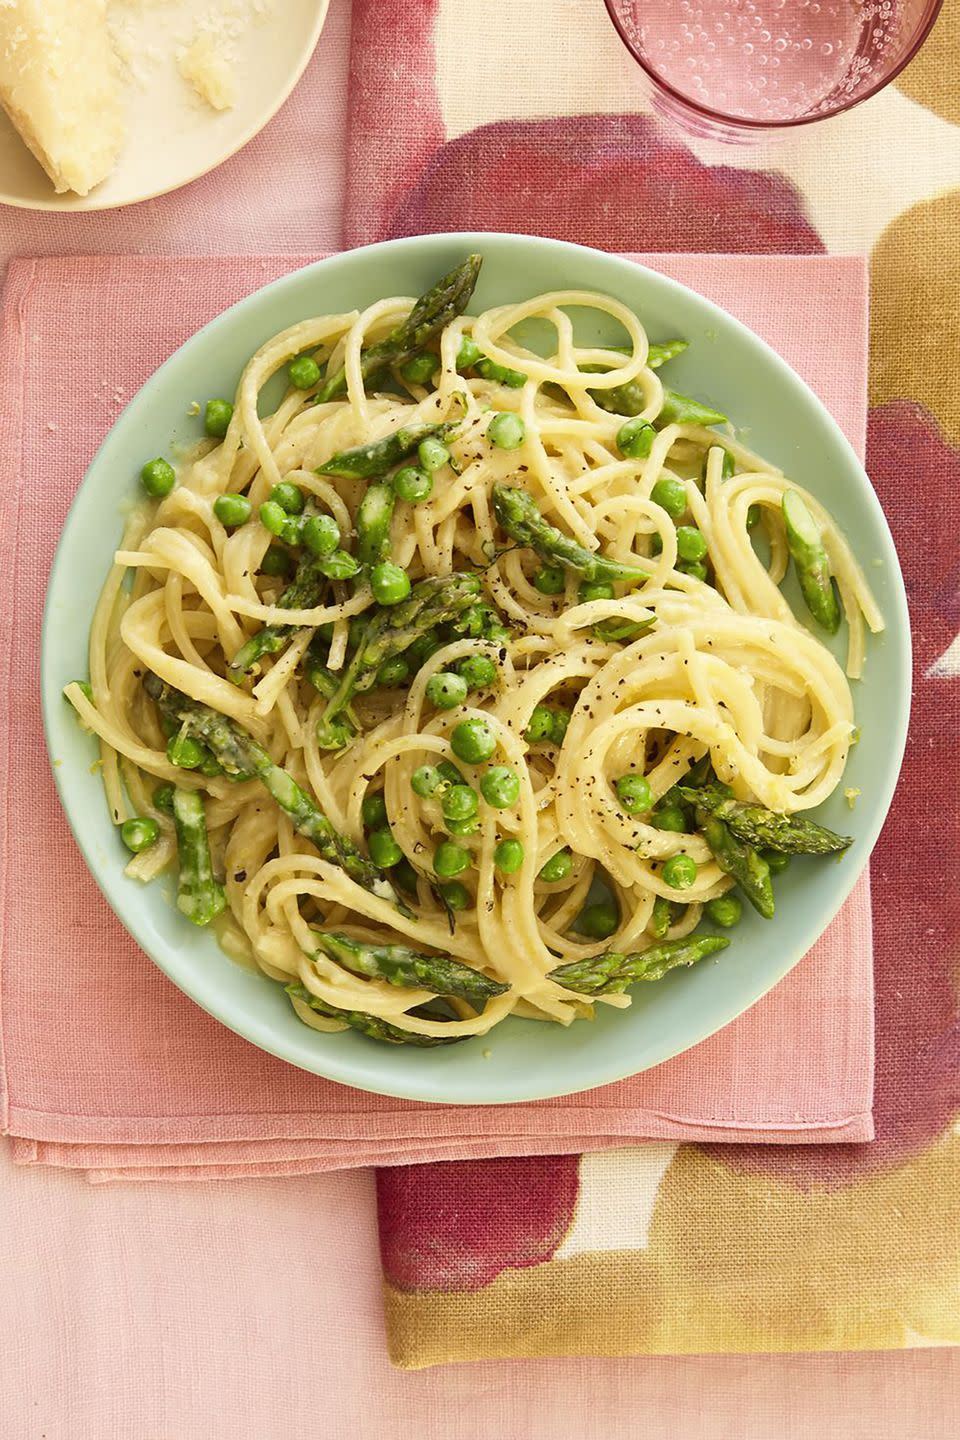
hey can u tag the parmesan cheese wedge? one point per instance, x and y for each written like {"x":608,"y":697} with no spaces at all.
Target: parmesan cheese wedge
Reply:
{"x":60,"y":84}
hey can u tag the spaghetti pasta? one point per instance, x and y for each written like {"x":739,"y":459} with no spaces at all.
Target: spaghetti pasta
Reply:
{"x":578,"y":684}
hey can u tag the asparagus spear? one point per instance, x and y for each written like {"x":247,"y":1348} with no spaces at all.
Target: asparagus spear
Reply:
{"x":373,"y":524}
{"x":612,"y":973}
{"x":367,"y":462}
{"x":325,"y":682}
{"x":240,"y":754}
{"x":518,"y":514}
{"x":302,"y":593}
{"x":791,"y":834}
{"x":682,"y":410}
{"x":658,"y":355}
{"x":810,"y":558}
{"x":628,"y":399}
{"x":199,"y":897}
{"x":392,"y":630}
{"x":742,"y":861}
{"x":432,"y":312}
{"x":661,"y":917}
{"x":410,"y":969}
{"x":371,"y":1025}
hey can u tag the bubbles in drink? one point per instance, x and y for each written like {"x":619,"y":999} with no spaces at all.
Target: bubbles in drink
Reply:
{"x":768,"y":60}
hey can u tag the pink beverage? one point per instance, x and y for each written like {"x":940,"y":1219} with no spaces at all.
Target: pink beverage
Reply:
{"x":759,"y":63}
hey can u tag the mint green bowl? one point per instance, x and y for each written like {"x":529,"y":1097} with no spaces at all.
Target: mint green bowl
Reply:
{"x":521,"y":1059}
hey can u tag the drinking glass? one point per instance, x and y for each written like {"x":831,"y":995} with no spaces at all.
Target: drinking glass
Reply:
{"x":732,"y":68}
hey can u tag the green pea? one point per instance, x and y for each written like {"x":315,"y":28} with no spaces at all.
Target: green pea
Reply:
{"x":289,"y":497}
{"x":446,"y":690}
{"x":670,"y":495}
{"x":304,"y":372}
{"x":559,"y":721}
{"x":696,"y":570}
{"x":459,"y":803}
{"x":292,"y":532}
{"x":425,"y":781}
{"x":463,"y":827}
{"x":691,"y":545}
{"x":273,"y":517}
{"x":776,"y":860}
{"x":558,"y":867}
{"x":341,"y":565}
{"x":449,"y":773}
{"x":158,"y":477}
{"x":321,"y":535}
{"x":679,"y":872}
{"x":163,"y":798}
{"x":502,"y":374}
{"x":405,"y":876}
{"x":508,"y":856}
{"x":421,"y":650}
{"x":232,"y":510}
{"x":373,"y":811}
{"x":506,"y":430}
{"x":457,"y":896}
{"x":500,"y":787}
{"x":473,"y":741}
{"x":669,"y":817}
{"x":550,"y":580}
{"x":634,"y":793}
{"x":540,"y":726}
{"x":598,"y":922}
{"x":210,"y":766}
{"x":216,"y":418}
{"x":384,"y":850}
{"x":468,"y":354}
{"x":419,"y":369}
{"x":753,"y":516}
{"x":86,"y":687}
{"x":412,"y":484}
{"x":390,"y":584}
{"x":725,"y":910}
{"x":185,"y":752}
{"x":728,"y":468}
{"x":139,"y":833}
{"x":432,"y":454}
{"x":276,"y":561}
{"x":595,"y":590}
{"x":635,"y":438}
{"x":450,"y":859}
{"x":479,"y":671}
{"x":393,"y":672}
{"x":656,"y":543}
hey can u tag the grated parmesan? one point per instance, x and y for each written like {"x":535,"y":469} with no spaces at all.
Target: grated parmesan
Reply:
{"x":209,"y":70}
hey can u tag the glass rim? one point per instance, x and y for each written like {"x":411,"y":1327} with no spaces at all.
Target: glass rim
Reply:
{"x":738,"y":122}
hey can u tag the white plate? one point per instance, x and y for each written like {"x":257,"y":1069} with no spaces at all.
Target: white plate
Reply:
{"x":173,"y":136}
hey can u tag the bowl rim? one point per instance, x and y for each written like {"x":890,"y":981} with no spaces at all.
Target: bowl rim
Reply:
{"x":722,"y":118}
{"x":324,"y":1061}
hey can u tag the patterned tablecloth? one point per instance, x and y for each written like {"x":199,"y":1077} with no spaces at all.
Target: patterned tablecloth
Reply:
{"x":138,"y":1312}
{"x":526,"y":116}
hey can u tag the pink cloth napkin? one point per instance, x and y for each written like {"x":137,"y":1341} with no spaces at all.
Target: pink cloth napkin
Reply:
{"x":106,"y":1067}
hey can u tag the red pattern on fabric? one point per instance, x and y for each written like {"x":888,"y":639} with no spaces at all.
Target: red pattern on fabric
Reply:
{"x":580,"y":178}
{"x":456,"y":1226}
{"x":386,"y":155}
